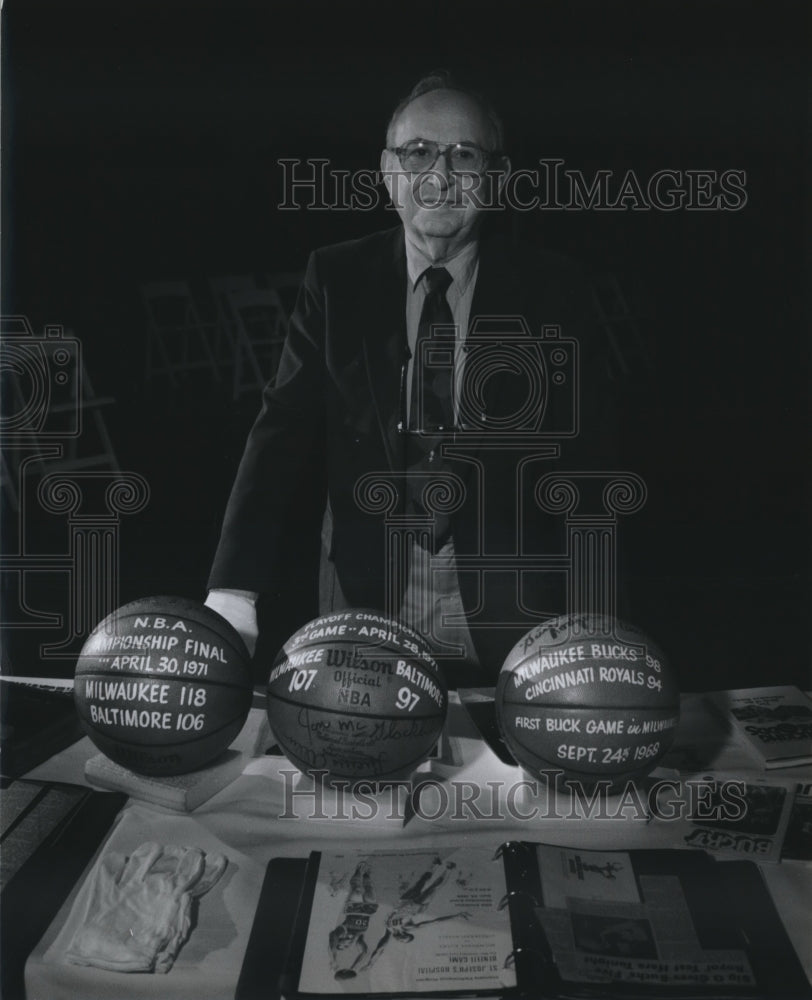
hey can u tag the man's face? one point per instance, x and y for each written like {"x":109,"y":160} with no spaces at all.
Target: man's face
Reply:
{"x":438,"y":204}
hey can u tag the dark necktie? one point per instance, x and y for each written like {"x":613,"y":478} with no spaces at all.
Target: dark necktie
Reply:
{"x":431,"y":404}
{"x":432,"y":408}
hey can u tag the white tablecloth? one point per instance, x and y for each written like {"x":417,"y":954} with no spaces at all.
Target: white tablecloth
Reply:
{"x":470,"y":797}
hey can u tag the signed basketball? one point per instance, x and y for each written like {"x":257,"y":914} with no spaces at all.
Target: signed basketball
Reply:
{"x":589,"y":695}
{"x":356,"y":694}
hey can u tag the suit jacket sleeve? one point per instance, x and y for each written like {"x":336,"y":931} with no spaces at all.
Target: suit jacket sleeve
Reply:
{"x":278,"y":495}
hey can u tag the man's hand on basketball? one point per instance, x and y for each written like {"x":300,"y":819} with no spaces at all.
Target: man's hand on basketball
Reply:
{"x":238,"y":607}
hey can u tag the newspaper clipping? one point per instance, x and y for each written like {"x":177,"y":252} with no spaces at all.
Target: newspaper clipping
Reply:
{"x":603,"y":924}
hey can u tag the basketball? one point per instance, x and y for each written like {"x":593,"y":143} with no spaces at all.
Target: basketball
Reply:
{"x":588,"y":695}
{"x":356,"y":694}
{"x":163,"y":685}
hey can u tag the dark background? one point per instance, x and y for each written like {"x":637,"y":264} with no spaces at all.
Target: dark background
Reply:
{"x":142,"y":143}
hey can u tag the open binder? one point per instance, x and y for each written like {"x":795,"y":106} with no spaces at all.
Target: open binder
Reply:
{"x":531,"y":920}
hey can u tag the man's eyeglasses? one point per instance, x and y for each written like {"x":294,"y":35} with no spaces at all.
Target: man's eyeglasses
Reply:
{"x":420,"y":155}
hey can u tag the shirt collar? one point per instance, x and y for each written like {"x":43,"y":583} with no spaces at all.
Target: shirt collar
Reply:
{"x":461,"y":267}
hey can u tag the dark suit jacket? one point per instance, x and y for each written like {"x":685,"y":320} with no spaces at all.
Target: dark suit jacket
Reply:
{"x":330,"y":418}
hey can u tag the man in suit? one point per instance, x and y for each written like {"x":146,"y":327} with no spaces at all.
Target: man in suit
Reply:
{"x":417,"y":397}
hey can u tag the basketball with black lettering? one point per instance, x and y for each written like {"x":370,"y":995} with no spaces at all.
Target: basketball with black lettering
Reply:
{"x":163,"y":685}
{"x":357,"y":695}
{"x":588,"y":695}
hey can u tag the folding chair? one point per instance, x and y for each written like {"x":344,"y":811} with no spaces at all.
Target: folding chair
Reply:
{"x":47,"y":400}
{"x":260,"y":324}
{"x":221,"y":286}
{"x":178,"y":341}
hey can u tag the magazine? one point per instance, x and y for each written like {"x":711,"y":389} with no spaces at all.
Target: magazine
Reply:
{"x":774,"y":722}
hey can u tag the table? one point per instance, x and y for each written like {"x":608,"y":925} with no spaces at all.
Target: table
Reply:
{"x":467,"y":796}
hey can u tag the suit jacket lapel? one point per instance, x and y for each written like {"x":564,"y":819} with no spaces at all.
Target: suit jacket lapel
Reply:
{"x":385,"y":342}
{"x":498,"y":292}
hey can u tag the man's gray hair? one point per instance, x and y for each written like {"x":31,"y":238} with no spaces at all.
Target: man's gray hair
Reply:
{"x":442,"y":79}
